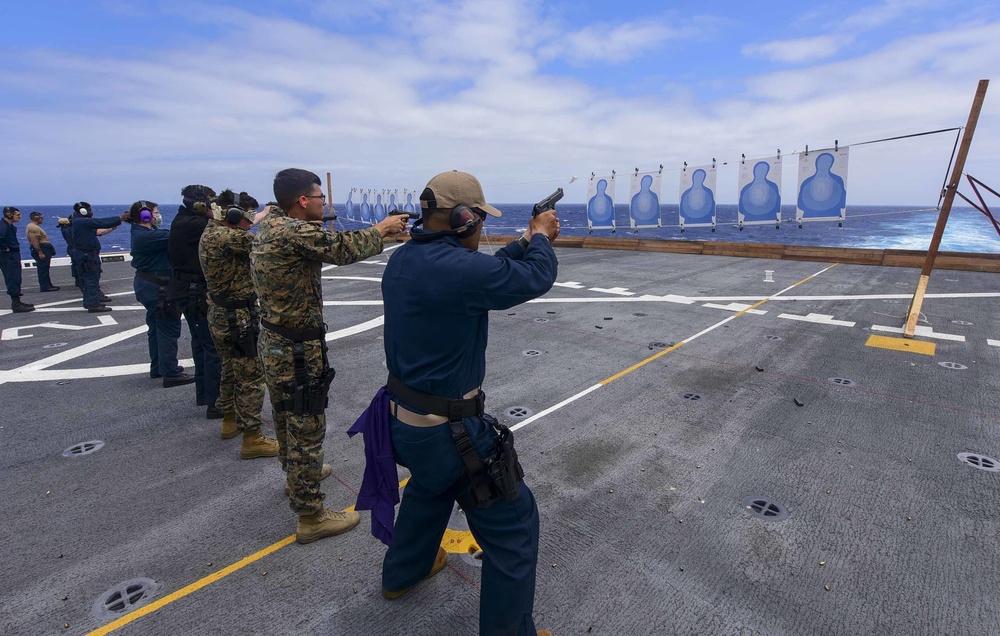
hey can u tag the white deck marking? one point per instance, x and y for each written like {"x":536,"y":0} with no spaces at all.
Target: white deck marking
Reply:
{"x":555,"y":407}
{"x":736,"y":307}
{"x":618,"y":291}
{"x":669,"y":298}
{"x":569,"y":284}
{"x":993,"y":343}
{"x":350,"y":331}
{"x":819,"y":319}
{"x":926,"y":332}
{"x":352,"y":303}
{"x":374,"y":280}
{"x":13,"y":332}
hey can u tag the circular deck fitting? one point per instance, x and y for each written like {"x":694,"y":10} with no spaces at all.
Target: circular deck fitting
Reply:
{"x":953,"y":365}
{"x":773,"y":337}
{"x":124,"y":597}
{"x":842,"y":381}
{"x":765,"y":508}
{"x":982,"y":462}
{"x":531,"y":353}
{"x":961,"y":322}
{"x":640,"y":314}
{"x":658,"y":345}
{"x":83,"y":448}
{"x":694,"y":397}
{"x":541,"y":319}
{"x":55,"y":345}
{"x":518,"y":412}
{"x":64,"y":382}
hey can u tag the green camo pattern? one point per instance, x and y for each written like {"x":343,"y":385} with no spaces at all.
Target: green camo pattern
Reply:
{"x":224,"y":253}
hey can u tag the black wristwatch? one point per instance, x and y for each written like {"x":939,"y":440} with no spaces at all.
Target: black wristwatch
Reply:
{"x":523,"y":242}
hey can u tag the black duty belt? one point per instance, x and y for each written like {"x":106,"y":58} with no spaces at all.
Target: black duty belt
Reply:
{"x":190,"y":278}
{"x":297,"y":335}
{"x":454,"y":410}
{"x":231,"y":303}
{"x":159,"y":277}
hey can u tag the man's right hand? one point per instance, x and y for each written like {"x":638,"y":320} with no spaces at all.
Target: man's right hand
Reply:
{"x":392,"y":225}
{"x":546,"y":223}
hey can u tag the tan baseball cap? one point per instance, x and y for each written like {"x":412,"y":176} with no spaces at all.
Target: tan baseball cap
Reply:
{"x":449,"y":189}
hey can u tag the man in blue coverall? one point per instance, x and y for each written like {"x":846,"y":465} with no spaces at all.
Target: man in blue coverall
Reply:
{"x":438,"y":290}
{"x":86,"y":229}
{"x":10,"y":259}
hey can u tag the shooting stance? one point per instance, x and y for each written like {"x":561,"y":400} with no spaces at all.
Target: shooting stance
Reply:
{"x":438,"y":290}
{"x":286,"y":258}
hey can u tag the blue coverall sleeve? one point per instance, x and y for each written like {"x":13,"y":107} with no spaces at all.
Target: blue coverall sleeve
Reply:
{"x":501,"y":282}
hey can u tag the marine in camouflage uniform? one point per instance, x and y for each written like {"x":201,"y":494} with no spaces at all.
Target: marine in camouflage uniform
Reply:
{"x":286,"y":259}
{"x":224,"y":252}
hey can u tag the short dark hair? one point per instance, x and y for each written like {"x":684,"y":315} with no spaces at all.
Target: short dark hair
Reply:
{"x":292,"y":183}
{"x":35,"y":214}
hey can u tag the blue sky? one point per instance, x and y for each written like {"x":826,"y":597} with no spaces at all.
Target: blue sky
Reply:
{"x":119,"y":100}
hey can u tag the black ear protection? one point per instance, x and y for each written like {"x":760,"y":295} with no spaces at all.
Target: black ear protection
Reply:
{"x":464,"y":221}
{"x":9,"y":211}
{"x":235,"y":213}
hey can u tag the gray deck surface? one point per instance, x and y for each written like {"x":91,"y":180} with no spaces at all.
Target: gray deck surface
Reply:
{"x":640,"y":489}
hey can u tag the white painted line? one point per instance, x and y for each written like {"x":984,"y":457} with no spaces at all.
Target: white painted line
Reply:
{"x":819,"y":319}
{"x":54,"y":375}
{"x":57,"y":310}
{"x":926,"y":332}
{"x":669,"y":298}
{"x":373,"y":263}
{"x":12,"y":333}
{"x":736,"y":307}
{"x":350,"y":331}
{"x":374,"y":280}
{"x":618,"y":291}
{"x":326,"y":267}
{"x":569,"y":284}
{"x":993,"y":343}
{"x":555,"y":407}
{"x":352,"y":303}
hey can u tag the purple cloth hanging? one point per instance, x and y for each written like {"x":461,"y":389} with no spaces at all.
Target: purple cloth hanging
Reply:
{"x":380,"y":486}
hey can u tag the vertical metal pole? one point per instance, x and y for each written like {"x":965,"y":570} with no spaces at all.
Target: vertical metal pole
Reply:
{"x":970,"y":129}
{"x":329,"y":198}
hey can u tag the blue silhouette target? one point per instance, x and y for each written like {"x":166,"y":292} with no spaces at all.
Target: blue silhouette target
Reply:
{"x":366,"y":209}
{"x":408,"y":206}
{"x":600,"y":203}
{"x":697,"y":207}
{"x":760,"y":192}
{"x":644,"y":205}
{"x":349,"y":204}
{"x":392,"y":201}
{"x":822,"y":186}
{"x":378,"y":212}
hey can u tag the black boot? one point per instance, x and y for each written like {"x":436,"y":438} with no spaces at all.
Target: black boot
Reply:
{"x":20,"y":308}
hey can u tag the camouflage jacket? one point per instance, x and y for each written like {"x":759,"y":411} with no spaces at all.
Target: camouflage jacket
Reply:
{"x":286,"y":261}
{"x":224,"y":253}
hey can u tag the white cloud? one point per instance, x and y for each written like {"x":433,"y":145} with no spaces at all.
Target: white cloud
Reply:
{"x":392,"y":111}
{"x":611,"y":44}
{"x":800,"y":50}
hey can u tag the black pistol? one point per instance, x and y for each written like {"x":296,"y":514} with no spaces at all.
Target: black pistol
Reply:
{"x":412,"y":215}
{"x":548,"y":203}
{"x":329,"y":217}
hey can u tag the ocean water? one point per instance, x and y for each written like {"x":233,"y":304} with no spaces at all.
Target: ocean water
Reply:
{"x":874,"y":227}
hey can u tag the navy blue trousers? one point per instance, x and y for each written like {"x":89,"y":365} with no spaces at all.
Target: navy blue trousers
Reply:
{"x":10,"y":264}
{"x":161,"y":334}
{"x":207,"y":366}
{"x":506,"y":531}
{"x":90,"y":272}
{"x":43,"y":264}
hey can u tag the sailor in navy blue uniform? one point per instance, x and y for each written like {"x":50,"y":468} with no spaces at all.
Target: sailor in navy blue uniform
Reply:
{"x":438,"y":290}
{"x":10,"y":259}
{"x":86,"y":229}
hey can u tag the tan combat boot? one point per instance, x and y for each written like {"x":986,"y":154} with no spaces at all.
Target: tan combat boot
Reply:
{"x":229,"y":430}
{"x":326,"y":523}
{"x":256,"y":445}
{"x":440,"y":561}
{"x":325,"y":472}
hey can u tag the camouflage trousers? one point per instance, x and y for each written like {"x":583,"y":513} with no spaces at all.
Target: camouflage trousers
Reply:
{"x":241,"y":387}
{"x":300,"y":437}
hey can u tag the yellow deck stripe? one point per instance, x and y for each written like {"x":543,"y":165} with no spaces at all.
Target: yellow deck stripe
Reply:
{"x":899,"y":344}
